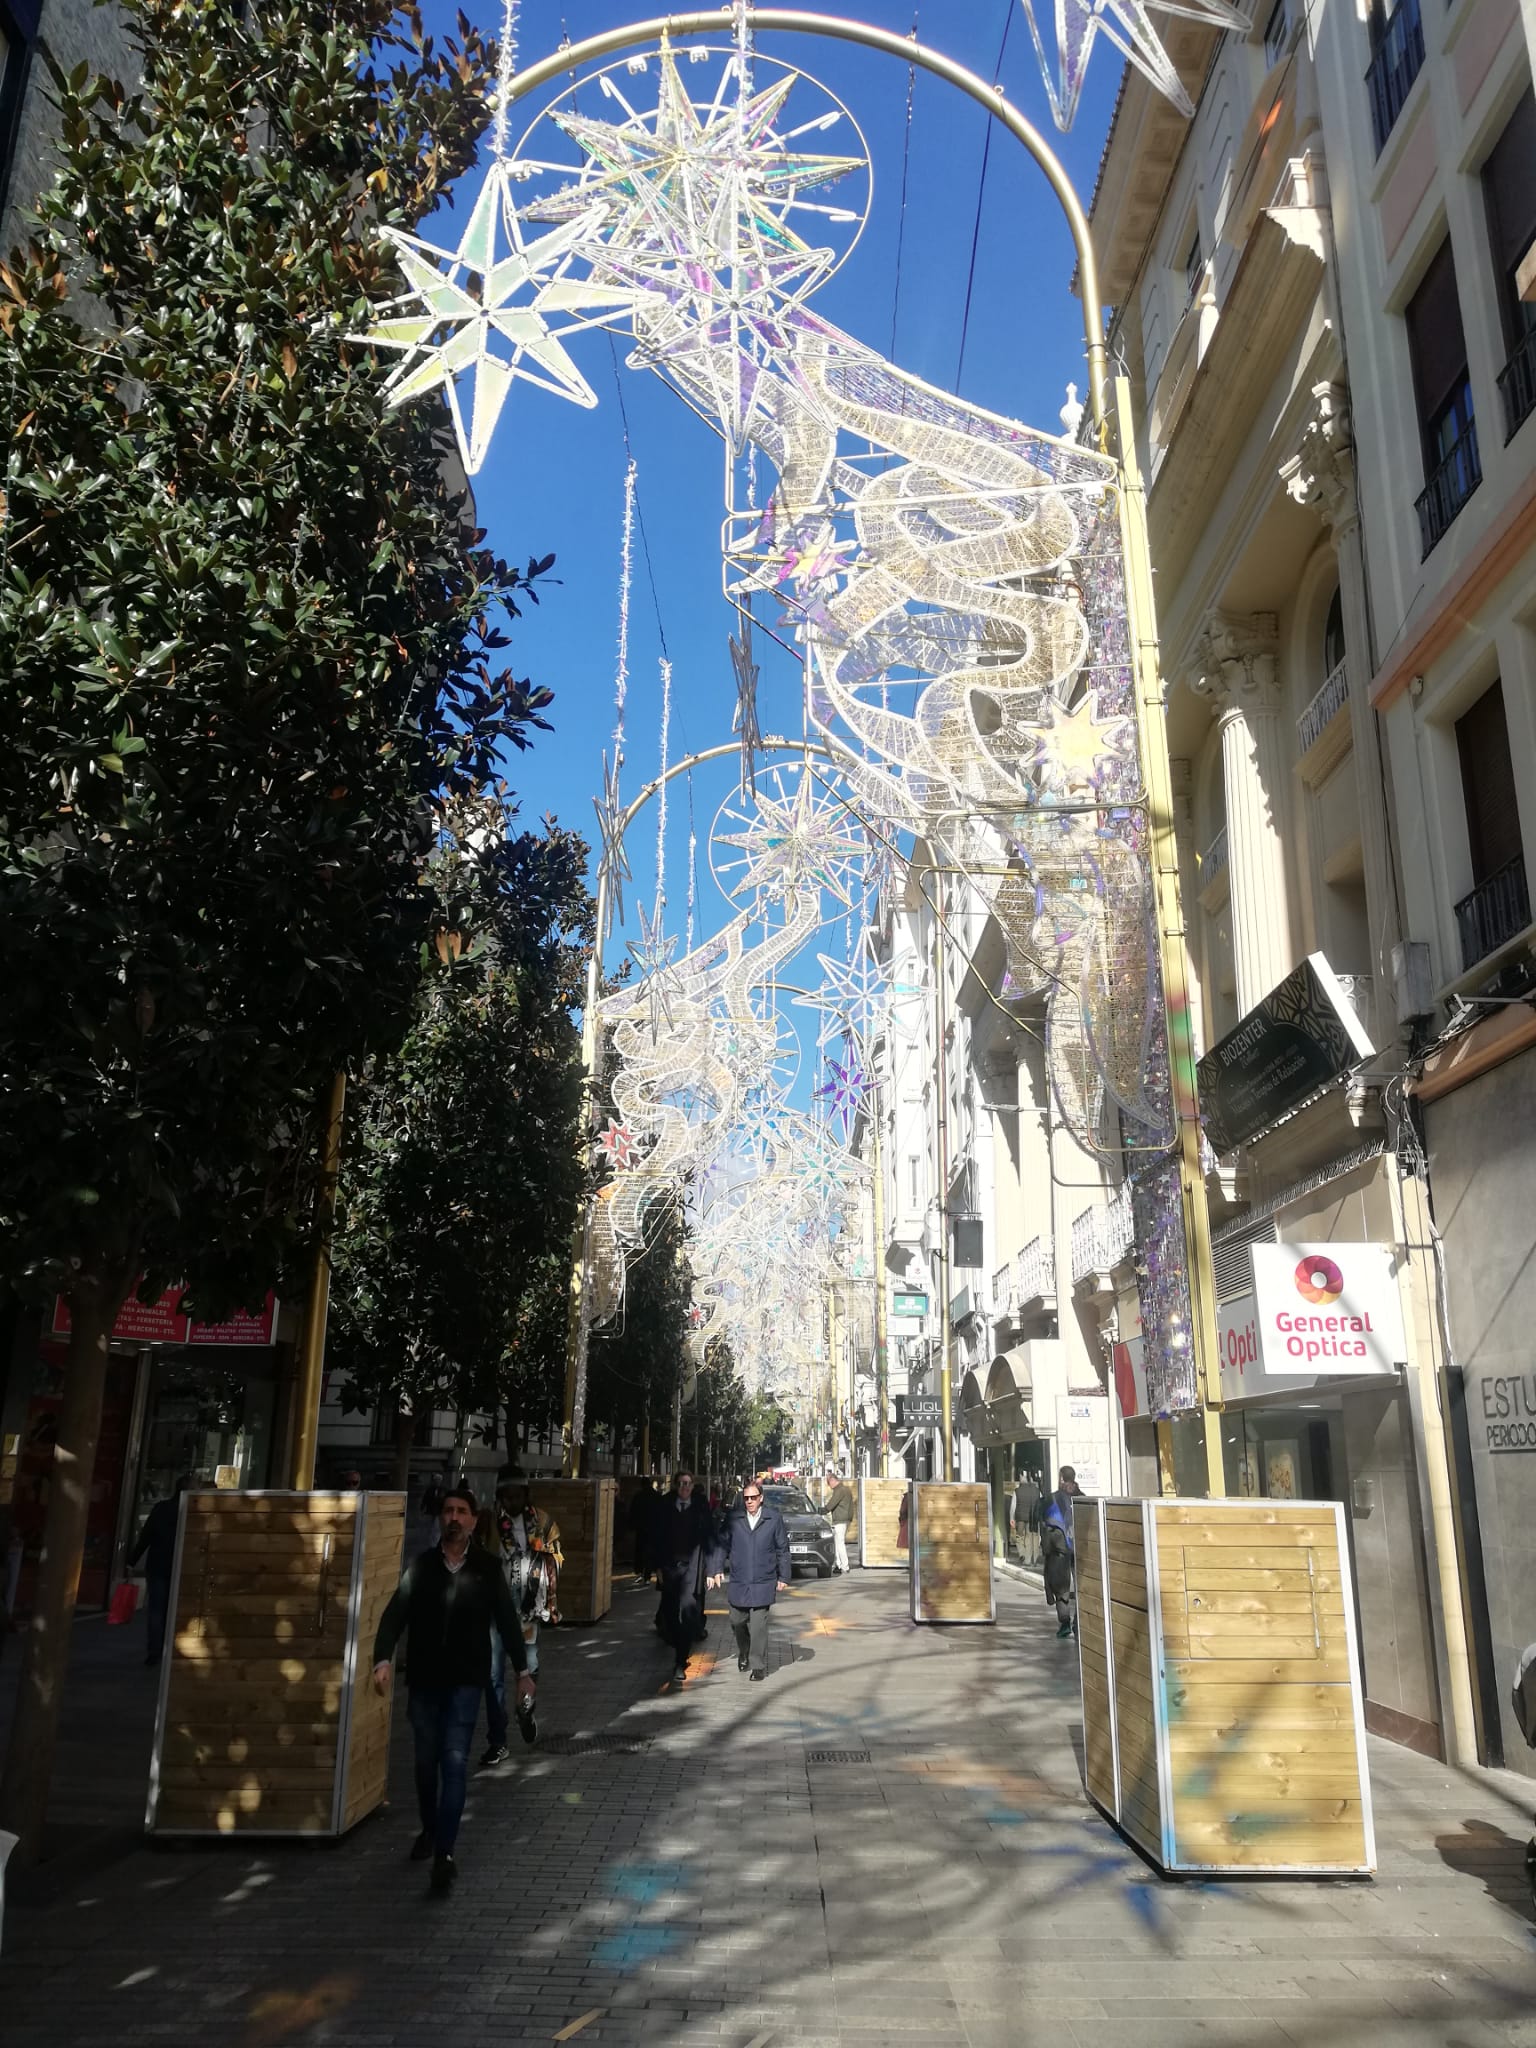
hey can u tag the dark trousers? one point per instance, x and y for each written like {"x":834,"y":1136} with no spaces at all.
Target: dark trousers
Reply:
{"x":442,"y":1719}
{"x":157,"y":1602}
{"x":496,"y":1723}
{"x":749,"y":1625}
{"x":682,"y":1619}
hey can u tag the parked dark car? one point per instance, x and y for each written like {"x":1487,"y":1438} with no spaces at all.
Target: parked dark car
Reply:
{"x":809,"y":1531}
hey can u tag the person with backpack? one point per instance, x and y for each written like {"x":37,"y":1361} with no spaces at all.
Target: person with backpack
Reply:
{"x":1056,"y":1558}
{"x":526,"y":1543}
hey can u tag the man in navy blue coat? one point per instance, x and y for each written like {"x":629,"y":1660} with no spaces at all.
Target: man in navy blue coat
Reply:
{"x":753,"y":1556}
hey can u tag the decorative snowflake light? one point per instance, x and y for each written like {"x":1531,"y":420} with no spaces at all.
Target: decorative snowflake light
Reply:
{"x":1128,"y":25}
{"x":798,"y":837}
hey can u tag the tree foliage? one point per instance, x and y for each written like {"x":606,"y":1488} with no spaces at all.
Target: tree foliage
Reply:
{"x":463,"y":1162}
{"x":244,"y":633}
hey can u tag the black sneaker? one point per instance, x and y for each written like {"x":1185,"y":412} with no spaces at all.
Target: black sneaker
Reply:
{"x":421,"y":1848}
{"x":741,"y":1663}
{"x":679,"y":1673}
{"x":494,"y":1753}
{"x":444,"y":1871}
{"x":527,"y":1722}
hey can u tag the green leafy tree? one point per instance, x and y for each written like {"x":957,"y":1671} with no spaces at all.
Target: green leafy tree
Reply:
{"x":246,"y":642}
{"x":637,"y":1362}
{"x":463,"y":1162}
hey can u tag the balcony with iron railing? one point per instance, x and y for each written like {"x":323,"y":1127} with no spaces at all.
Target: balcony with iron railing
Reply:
{"x":1495,"y":912}
{"x":1517,"y":385}
{"x":1101,"y":1238}
{"x":1459,"y":474}
{"x":1002,"y":1291}
{"x":1397,"y":63}
{"x":1035,"y":1270}
{"x":1331,"y":700}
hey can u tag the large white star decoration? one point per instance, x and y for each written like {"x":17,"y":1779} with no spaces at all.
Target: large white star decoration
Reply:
{"x":1127,"y":24}
{"x":845,"y":1091}
{"x":652,"y":954}
{"x":796,"y":842}
{"x":610,"y":827}
{"x":852,"y":998}
{"x":491,"y":313}
{"x":1069,"y":755}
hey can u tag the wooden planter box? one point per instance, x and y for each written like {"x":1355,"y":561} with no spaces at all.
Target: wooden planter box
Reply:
{"x":951,"y":1552}
{"x":1222,"y":1720}
{"x":584,"y":1509}
{"x":880,"y":1506}
{"x":268,"y":1722}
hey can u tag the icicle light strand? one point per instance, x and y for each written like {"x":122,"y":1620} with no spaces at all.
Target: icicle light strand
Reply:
{"x":661,"y":795}
{"x":626,"y":578}
{"x":506,"y":65}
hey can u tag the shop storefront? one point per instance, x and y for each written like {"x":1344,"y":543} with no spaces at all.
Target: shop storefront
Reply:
{"x":202,"y":1409}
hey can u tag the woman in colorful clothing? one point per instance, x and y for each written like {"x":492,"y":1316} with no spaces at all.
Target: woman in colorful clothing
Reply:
{"x":527,"y":1543}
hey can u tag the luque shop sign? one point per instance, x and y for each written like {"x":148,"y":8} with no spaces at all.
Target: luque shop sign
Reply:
{"x":1303,"y":1035}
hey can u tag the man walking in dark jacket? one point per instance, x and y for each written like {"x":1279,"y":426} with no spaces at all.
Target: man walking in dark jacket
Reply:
{"x":447,"y":1602}
{"x":684,"y":1536}
{"x":157,"y":1547}
{"x":753,"y":1557}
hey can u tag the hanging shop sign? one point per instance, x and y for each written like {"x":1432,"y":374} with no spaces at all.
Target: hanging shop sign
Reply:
{"x":922,"y":1411}
{"x":165,"y":1322}
{"x":1302,"y":1036}
{"x":905,"y":1303}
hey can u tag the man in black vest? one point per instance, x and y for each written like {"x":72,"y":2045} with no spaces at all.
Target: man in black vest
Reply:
{"x":448,"y":1601}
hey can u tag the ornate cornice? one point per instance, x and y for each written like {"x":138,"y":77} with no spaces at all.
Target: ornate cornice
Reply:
{"x":1322,"y":471}
{"x":1236,"y":662}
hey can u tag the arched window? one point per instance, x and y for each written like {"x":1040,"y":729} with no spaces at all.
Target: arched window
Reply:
{"x":1333,"y":635}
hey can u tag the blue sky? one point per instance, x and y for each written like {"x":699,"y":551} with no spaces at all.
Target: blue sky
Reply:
{"x":554,"y":479}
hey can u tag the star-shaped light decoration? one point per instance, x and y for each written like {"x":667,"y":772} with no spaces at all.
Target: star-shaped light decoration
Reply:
{"x":1128,"y":25}
{"x":852,"y":998}
{"x":697,"y":225}
{"x":746,"y":673}
{"x":489,"y":310}
{"x":797,"y":841}
{"x":610,"y":826}
{"x":619,"y":1142}
{"x":660,"y":982}
{"x":1070,"y":754}
{"x":845,"y":1091}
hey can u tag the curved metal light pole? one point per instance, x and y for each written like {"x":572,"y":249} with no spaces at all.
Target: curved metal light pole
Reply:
{"x":1151,"y":732}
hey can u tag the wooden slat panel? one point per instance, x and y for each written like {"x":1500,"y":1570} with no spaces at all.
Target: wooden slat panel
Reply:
{"x":1198,"y":1671}
{"x":1201,"y":1574}
{"x":1290,"y":1849}
{"x":880,"y":1518}
{"x":1282,"y":1539}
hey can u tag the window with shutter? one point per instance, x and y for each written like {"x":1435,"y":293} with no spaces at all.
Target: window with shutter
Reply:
{"x":1443,"y":391}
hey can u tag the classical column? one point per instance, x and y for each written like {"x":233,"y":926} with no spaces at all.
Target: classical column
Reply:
{"x":1237,"y":671}
{"x":1321,"y":474}
{"x":1182,"y":773}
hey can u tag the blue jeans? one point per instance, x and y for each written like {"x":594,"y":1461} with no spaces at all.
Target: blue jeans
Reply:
{"x":496,"y":1723}
{"x":443,"y":1720}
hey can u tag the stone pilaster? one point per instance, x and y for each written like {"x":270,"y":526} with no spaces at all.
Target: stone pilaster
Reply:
{"x":1321,"y":474}
{"x":1238,"y":672}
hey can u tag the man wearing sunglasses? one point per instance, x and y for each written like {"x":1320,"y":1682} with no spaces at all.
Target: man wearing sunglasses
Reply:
{"x":753,"y":1555}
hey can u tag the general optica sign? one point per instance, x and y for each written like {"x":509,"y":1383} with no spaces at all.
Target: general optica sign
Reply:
{"x":165,"y":1322}
{"x":1328,"y":1309}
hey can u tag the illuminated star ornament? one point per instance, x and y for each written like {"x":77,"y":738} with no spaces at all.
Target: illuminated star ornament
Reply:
{"x":1071,"y":754}
{"x":1128,"y":25}
{"x":844,"y":1093}
{"x":488,"y":311}
{"x":852,"y":997}
{"x":796,"y":841}
{"x":610,"y":826}
{"x":618,"y":1141}
{"x":652,"y":955}
{"x":746,"y":672}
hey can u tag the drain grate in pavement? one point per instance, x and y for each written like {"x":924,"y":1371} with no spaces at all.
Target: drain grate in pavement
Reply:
{"x":837,"y":1756}
{"x":594,"y":1745}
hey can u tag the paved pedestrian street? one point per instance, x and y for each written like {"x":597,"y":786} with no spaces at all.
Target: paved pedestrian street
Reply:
{"x":888,"y":1841}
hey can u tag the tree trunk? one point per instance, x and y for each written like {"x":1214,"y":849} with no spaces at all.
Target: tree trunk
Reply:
{"x":93,"y":1307}
{"x":405,"y":1437}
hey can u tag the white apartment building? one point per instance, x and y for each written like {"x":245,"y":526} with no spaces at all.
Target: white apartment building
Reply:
{"x":1316,"y":289}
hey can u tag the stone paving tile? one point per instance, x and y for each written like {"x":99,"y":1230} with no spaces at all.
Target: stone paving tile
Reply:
{"x":715,"y":1888}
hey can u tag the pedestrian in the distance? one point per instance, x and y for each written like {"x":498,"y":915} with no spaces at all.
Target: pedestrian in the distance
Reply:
{"x":1056,"y":1550}
{"x":753,"y":1563}
{"x":157,"y":1547}
{"x":838,"y":1509}
{"x":1026,"y":1511}
{"x":525,"y":1541}
{"x":447,"y":1603}
{"x":684,"y":1540}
